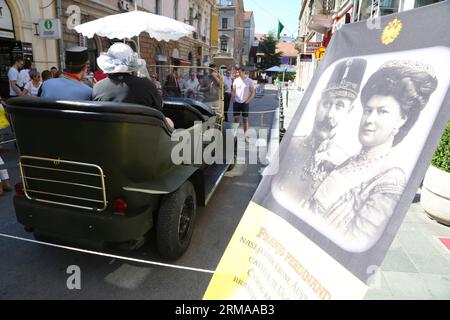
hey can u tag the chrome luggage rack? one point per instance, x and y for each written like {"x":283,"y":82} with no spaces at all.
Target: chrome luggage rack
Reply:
{"x":62,"y":182}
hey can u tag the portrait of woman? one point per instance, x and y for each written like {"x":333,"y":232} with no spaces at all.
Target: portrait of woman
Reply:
{"x":356,"y":200}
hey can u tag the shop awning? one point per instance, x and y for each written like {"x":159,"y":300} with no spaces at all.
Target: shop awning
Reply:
{"x":181,"y":62}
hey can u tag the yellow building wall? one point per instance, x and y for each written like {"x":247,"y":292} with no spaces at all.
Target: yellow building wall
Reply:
{"x":214,"y":45}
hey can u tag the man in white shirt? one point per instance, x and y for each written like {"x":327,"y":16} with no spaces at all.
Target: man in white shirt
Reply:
{"x":13,"y":77}
{"x":243,"y":93}
{"x":227,"y":83}
{"x":191,"y":86}
{"x":24,"y":74}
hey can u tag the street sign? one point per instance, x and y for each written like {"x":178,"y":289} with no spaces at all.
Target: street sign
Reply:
{"x":319,"y":53}
{"x":311,"y":47}
{"x":50,"y":28}
{"x":305,"y":57}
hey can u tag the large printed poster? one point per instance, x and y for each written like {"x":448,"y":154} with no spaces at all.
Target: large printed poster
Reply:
{"x":354,"y":156}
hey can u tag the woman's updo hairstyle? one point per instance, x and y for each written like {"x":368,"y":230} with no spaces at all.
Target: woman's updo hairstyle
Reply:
{"x":411,"y":83}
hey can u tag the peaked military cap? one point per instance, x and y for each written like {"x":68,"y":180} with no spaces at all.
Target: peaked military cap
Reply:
{"x":76,"y":56}
{"x":346,"y":78}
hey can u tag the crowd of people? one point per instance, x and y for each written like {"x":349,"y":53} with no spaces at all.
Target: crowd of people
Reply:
{"x":25,"y":80}
{"x":123,"y":77}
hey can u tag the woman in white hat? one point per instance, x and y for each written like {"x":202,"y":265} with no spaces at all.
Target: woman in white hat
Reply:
{"x":122,"y":65}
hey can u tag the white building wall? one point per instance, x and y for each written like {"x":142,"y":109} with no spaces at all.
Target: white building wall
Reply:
{"x":25,"y":13}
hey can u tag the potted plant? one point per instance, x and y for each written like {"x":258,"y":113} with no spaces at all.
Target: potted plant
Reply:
{"x":435,"y":195}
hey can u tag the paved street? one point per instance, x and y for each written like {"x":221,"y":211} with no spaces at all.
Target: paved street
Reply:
{"x":417,"y":265}
{"x":34,"y":271}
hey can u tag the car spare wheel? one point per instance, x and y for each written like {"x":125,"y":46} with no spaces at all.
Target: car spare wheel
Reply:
{"x":176,"y":221}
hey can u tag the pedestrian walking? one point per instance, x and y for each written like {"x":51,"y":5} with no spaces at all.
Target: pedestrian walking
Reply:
{"x":171,"y":86}
{"x":32,"y":87}
{"x":24,"y":75}
{"x":13,"y":78}
{"x":5,"y":183}
{"x":243,"y":93}
{"x":227,"y":82}
{"x":33,"y":68}
{"x":210,"y":88}
{"x":54,"y":71}
{"x":191,"y":86}
{"x":154,"y":79}
{"x":45,"y":75}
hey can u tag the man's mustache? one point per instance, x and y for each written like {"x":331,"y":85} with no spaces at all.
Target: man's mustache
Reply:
{"x":325,"y":125}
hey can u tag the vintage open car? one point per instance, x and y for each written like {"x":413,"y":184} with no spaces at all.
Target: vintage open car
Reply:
{"x":96,"y":174}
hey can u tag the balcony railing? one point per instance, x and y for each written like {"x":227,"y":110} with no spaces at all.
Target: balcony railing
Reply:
{"x":321,"y":19}
{"x":225,"y":4}
{"x":224,"y":53}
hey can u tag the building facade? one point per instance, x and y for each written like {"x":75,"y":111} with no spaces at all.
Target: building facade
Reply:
{"x":193,"y":50}
{"x":288,"y":52}
{"x":231,"y":33}
{"x":320,"y":19}
{"x":249,"y":36}
{"x":200,"y":16}
{"x":19,"y":36}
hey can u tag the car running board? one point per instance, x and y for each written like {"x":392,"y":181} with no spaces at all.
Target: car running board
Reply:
{"x":213,"y":174}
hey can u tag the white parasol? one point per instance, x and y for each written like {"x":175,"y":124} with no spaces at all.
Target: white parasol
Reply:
{"x":131,"y":24}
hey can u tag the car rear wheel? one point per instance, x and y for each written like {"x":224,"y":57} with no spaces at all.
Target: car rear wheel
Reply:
{"x":176,"y":221}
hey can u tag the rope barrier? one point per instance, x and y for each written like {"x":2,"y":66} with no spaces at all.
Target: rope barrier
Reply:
{"x":160,"y":264}
{"x":7,"y":141}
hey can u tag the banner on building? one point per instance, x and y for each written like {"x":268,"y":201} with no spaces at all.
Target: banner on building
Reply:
{"x":350,"y":164}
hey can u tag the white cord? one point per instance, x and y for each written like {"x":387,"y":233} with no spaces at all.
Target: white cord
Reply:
{"x":108,"y":255}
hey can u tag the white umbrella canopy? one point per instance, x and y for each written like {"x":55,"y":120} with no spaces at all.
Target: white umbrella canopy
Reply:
{"x":131,"y":24}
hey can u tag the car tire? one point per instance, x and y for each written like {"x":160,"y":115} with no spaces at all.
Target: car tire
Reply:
{"x":175,"y":223}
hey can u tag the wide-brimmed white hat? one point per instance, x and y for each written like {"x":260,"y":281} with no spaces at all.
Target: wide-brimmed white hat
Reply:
{"x":120,"y":58}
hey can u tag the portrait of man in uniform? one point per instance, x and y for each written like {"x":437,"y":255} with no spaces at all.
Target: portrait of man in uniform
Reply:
{"x":317,"y":154}
{"x":351,"y":197}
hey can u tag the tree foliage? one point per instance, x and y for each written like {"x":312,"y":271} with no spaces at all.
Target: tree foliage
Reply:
{"x":268,"y":47}
{"x":441,"y":158}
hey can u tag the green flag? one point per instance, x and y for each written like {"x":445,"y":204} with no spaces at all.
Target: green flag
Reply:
{"x":280,"y":28}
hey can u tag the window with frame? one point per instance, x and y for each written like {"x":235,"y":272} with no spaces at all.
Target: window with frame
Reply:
{"x":224,"y":23}
{"x":175,"y":9}
{"x":199,"y":27}
{"x":224,"y":45}
{"x":158,"y":6}
{"x":191,"y":16}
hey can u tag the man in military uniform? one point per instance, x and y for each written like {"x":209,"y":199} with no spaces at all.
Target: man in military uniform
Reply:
{"x":318,"y":154}
{"x":70,"y":85}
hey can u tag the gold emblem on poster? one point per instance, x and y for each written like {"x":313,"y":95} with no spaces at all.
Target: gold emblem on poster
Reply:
{"x":391,"y":32}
